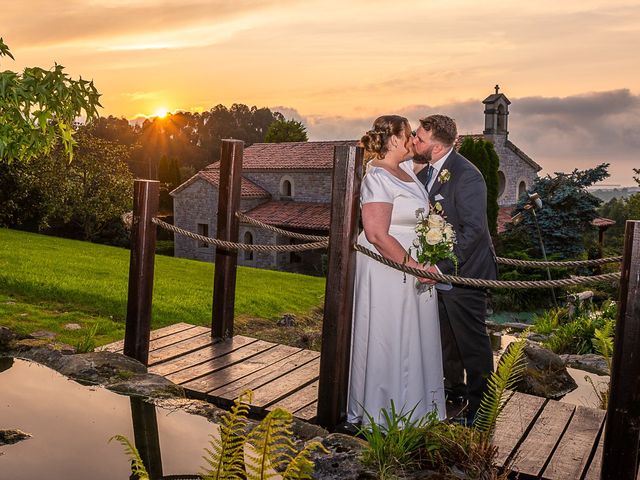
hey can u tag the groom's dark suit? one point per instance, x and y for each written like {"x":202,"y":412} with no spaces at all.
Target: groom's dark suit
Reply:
{"x":462,"y":310}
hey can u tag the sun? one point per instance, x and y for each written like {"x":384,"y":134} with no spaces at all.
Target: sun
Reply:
{"x":161,"y":112}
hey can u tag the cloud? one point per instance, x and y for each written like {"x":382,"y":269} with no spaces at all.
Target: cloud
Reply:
{"x":559,"y":133}
{"x":78,"y":21}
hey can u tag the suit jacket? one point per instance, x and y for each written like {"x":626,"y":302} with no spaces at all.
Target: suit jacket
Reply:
{"x":464,"y":202}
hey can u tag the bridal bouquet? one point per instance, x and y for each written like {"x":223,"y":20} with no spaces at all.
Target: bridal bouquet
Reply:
{"x":435,"y":239}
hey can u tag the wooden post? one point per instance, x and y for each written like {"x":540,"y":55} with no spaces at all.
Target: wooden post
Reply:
{"x":146,"y":195}
{"x":224,"y":280}
{"x":338,"y":301}
{"x":622,"y":426}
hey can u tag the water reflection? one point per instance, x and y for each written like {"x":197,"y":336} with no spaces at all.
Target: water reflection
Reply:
{"x":72,"y":423}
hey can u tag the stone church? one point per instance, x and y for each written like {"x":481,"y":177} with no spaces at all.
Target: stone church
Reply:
{"x":288,"y":185}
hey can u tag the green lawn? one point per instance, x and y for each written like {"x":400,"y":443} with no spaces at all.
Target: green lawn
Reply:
{"x":46,"y":282}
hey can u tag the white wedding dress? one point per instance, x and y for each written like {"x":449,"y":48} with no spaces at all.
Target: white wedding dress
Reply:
{"x":395,"y":350}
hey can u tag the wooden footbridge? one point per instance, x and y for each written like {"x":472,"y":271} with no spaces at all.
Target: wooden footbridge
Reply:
{"x":536,"y":438}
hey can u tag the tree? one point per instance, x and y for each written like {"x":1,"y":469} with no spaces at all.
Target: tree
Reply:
{"x":566,"y":213}
{"x":286,"y":131}
{"x":482,"y":154}
{"x":38,"y":108}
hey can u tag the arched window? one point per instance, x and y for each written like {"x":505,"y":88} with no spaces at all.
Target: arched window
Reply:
{"x":286,"y":188}
{"x":502,"y":181}
{"x":522,"y":188}
{"x":248,"y":239}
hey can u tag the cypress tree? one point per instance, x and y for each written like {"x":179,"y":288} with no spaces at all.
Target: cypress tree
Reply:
{"x":491,"y":178}
{"x":482,"y":154}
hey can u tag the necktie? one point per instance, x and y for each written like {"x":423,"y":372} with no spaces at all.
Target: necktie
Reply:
{"x":430,"y":171}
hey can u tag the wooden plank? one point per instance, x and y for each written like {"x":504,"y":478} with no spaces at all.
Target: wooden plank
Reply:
{"x":570,"y":457}
{"x":155,"y":334}
{"x":286,"y":384}
{"x":233,"y":357}
{"x":180,"y":348}
{"x":237,"y":371}
{"x":299,"y":399}
{"x":307,"y":413}
{"x":596,"y":463}
{"x":208,"y":352}
{"x":537,"y":448}
{"x":262,"y":377}
{"x":178,"y":337}
{"x":515,"y":421}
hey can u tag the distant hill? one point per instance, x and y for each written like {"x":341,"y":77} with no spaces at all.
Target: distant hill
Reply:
{"x":606,"y":194}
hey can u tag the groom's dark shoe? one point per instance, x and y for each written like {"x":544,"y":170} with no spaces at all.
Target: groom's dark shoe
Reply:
{"x":348,"y":428}
{"x":456,"y":406}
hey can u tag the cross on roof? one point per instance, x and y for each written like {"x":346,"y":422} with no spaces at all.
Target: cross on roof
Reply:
{"x":497,"y":87}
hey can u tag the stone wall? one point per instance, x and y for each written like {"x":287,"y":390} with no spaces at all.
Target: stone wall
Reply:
{"x":307,"y":186}
{"x":515,"y":170}
{"x":198,"y":204}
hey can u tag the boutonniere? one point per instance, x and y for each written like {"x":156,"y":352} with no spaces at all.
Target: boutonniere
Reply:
{"x":438,"y":208}
{"x":444,"y":176}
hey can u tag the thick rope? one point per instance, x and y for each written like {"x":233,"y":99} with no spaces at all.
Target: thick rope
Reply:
{"x":240,"y":246}
{"x":560,"y":264}
{"x":312,"y":238}
{"x":482,"y":283}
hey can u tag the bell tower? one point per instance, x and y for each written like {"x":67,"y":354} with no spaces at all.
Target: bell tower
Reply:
{"x":496,"y":115}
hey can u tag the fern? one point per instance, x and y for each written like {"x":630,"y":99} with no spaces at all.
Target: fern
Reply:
{"x":503,"y":380}
{"x":302,"y":466}
{"x":272,"y":443}
{"x":603,"y":341}
{"x":137,"y":466}
{"x":225,"y":456}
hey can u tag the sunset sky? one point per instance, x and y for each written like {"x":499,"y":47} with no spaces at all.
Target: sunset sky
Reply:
{"x":570,"y":68}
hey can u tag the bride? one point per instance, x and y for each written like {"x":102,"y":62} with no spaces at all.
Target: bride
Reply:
{"x":395,"y":353}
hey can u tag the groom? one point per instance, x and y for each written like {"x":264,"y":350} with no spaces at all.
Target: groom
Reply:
{"x":455,"y":183}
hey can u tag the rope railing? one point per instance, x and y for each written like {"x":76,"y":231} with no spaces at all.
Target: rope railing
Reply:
{"x":301,"y":236}
{"x":483,"y":283}
{"x":240,"y":246}
{"x":501,"y":260}
{"x":471,"y":282}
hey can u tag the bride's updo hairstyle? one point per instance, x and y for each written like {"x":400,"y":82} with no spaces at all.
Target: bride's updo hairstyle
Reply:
{"x":376,"y":141}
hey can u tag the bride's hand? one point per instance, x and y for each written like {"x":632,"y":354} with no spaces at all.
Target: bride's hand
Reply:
{"x":430,"y":269}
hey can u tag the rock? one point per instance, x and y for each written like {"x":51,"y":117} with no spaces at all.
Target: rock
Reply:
{"x":343,"y":462}
{"x":7,"y":437}
{"x":6,"y":337}
{"x":100,"y":367}
{"x":545,"y":374}
{"x":537,"y":337}
{"x":590,"y":362}
{"x":43,"y":334}
{"x":72,"y":326}
{"x":287,"y":320}
{"x":147,"y":385}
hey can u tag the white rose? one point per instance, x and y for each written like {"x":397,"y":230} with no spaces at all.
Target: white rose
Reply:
{"x":436,"y":221}
{"x":448,"y":232}
{"x":416,"y":243}
{"x":434,"y":236}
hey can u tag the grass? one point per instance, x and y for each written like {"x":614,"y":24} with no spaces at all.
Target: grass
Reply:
{"x":46,"y":282}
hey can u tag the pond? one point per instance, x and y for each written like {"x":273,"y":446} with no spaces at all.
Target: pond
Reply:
{"x":71,"y":424}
